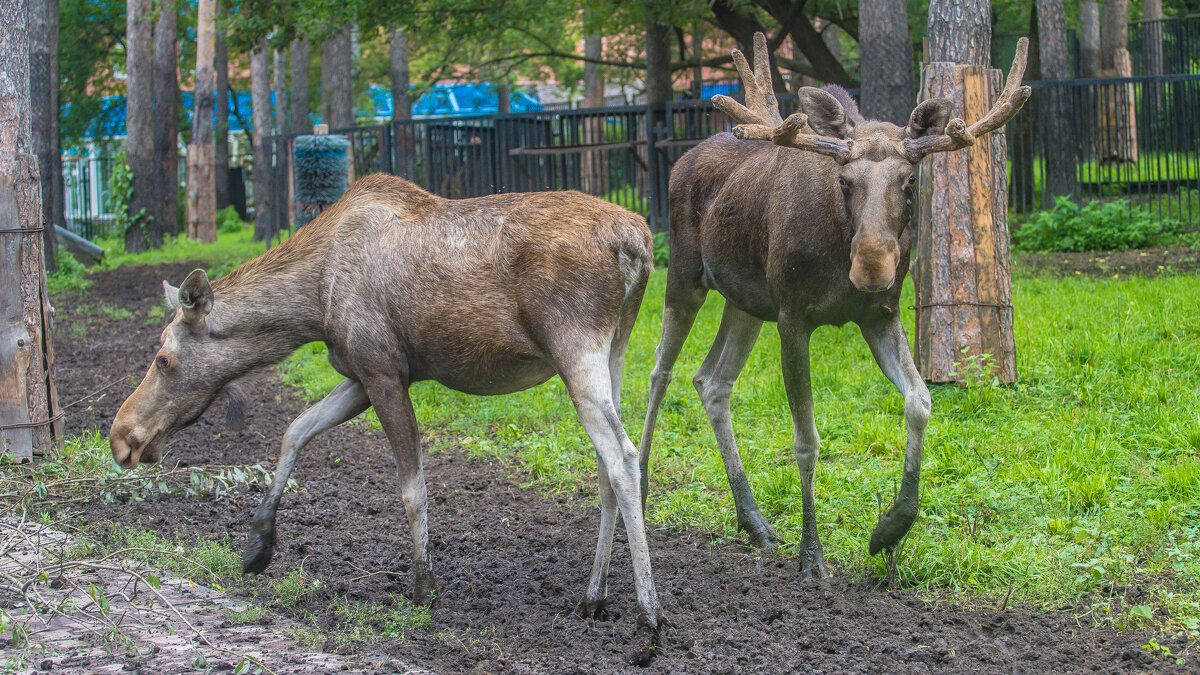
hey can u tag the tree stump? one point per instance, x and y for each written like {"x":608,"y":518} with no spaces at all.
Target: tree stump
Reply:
{"x":962,"y":273}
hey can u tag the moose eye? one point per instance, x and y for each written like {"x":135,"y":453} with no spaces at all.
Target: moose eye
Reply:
{"x":912,"y":179}
{"x":163,"y":362}
{"x":843,"y":183}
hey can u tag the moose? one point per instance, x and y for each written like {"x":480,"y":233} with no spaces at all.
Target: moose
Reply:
{"x":490,"y":295}
{"x":804,"y":222}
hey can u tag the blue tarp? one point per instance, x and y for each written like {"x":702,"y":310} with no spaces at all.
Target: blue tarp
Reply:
{"x":443,"y":100}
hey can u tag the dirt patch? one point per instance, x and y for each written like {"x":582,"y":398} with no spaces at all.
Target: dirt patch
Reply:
{"x":1148,"y":262}
{"x":511,"y":563}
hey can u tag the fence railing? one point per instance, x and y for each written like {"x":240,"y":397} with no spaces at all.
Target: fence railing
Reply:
{"x":1135,"y":138}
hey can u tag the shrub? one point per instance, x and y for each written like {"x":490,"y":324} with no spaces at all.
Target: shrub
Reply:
{"x":228,"y":220}
{"x":662,"y":249}
{"x":1097,"y":226}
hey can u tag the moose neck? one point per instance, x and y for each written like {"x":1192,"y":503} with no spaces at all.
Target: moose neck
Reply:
{"x":270,"y":306}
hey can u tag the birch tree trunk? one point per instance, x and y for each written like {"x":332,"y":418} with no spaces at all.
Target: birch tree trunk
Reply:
{"x":166,"y":115}
{"x":299,"y":107}
{"x":43,"y":90}
{"x":143,"y":232}
{"x":221,"y":134}
{"x":201,"y":206}
{"x":398,"y":68}
{"x":887,"y":61}
{"x":260,"y":95}
{"x":30,"y":420}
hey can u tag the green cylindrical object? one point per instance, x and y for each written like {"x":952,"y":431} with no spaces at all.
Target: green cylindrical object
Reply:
{"x":322,"y":165}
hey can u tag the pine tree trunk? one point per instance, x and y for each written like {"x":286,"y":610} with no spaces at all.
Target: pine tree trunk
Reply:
{"x":260,"y":95}
{"x":1118,"y":127}
{"x":43,"y":90}
{"x":166,"y":116}
{"x":336,"y":79}
{"x":1114,"y":32}
{"x":593,"y":164}
{"x":221,"y":135}
{"x":1152,"y":37}
{"x":1089,"y":39}
{"x":299,"y":107}
{"x":658,"y":63}
{"x":887,"y":61}
{"x":960,"y":31}
{"x":201,"y":211}
{"x":1054,"y":106}
{"x":503,"y":98}
{"x":279,"y":73}
{"x":29,"y":422}
{"x":593,"y":82}
{"x":143,"y":232}
{"x":398,"y":67}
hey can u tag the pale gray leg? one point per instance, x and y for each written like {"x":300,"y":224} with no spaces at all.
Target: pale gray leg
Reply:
{"x":345,"y":402}
{"x":806,"y":444}
{"x":890,"y":348}
{"x":714,"y":382}
{"x":595,"y":600}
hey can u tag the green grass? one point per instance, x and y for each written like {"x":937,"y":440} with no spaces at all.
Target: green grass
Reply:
{"x":1083,"y":475}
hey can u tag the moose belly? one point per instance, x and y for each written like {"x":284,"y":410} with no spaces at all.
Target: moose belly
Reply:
{"x":482,"y":371}
{"x":747,"y":292}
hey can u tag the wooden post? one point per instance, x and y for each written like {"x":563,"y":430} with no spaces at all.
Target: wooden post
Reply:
{"x":962,"y":271}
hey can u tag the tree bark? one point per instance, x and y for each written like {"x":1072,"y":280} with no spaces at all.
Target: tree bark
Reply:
{"x":279,"y":73}
{"x":1118,"y":125}
{"x":593,"y":82}
{"x":43,"y":90}
{"x":398,"y":68}
{"x":503,"y":98}
{"x":887,"y":61}
{"x":336,"y":79}
{"x":201,"y":211}
{"x":260,"y":95}
{"x":1152,"y":38}
{"x":28,"y":401}
{"x":960,"y":31}
{"x":299,"y":105}
{"x":143,"y":232}
{"x":658,"y":62}
{"x":1114,"y":32}
{"x":221,"y":135}
{"x":166,"y":115}
{"x":1089,"y":39}
{"x":1054,"y":106}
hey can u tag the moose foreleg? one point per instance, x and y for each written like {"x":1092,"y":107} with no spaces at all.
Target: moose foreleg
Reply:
{"x":344,"y":403}
{"x":806,"y":443}
{"x":889,"y":345}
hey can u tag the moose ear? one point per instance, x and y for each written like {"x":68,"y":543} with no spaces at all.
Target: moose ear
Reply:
{"x":826,"y":116}
{"x":195,"y":297}
{"x":171,"y":295}
{"x":930,"y":118}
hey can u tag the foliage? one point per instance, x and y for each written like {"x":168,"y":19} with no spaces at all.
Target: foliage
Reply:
{"x":662,"y":249}
{"x":67,"y":274}
{"x":1096,"y":226}
{"x":229,"y":222}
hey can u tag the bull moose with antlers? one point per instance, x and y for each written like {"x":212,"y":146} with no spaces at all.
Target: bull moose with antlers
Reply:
{"x":804,"y":222}
{"x":487,"y":296}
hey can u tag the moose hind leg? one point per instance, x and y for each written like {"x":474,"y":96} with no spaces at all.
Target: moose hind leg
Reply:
{"x":806,"y":442}
{"x":342,"y":404}
{"x":595,"y":600}
{"x":714,"y":382}
{"x":587,"y":378}
{"x":389,"y":396}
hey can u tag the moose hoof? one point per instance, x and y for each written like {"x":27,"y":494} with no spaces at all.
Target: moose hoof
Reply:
{"x":645,"y":640}
{"x":812,"y":561}
{"x":761,"y":534}
{"x":259,"y":548}
{"x":424,"y":590}
{"x":597,"y":610}
{"x":892,"y":526}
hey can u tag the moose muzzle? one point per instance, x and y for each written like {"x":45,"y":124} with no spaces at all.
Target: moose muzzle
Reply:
{"x":873,"y":263}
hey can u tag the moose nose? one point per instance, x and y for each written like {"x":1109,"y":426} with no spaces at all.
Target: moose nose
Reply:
{"x":876,"y":288}
{"x":123,"y":444}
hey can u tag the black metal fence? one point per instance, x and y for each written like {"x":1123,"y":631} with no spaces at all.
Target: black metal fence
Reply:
{"x":89,"y":206}
{"x":1136,"y":138}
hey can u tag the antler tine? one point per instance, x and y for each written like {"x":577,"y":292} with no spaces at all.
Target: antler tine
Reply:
{"x":761,"y":107}
{"x":795,"y":133}
{"x":762,"y":75}
{"x":958,"y":135}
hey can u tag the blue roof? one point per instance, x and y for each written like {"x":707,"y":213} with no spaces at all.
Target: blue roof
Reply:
{"x":443,"y":100}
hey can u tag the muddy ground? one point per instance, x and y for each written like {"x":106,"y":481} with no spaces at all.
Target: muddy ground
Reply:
{"x":511,"y":563}
{"x":1147,"y":262}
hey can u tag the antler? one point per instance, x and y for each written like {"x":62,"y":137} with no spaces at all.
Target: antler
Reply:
{"x":958,"y":135}
{"x":761,"y":120}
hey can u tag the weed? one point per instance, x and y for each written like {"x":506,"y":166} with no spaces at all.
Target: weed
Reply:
{"x":292,"y":588}
{"x":250,"y":615}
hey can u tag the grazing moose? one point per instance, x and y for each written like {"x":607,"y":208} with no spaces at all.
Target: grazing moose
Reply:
{"x":805,"y":229}
{"x":487,"y":296}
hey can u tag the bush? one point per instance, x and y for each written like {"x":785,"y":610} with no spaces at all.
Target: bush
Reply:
{"x":662,"y":249}
{"x":67,"y":274}
{"x":229,"y":222}
{"x":1097,"y":226}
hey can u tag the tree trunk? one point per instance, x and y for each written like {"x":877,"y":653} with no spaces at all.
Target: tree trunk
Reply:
{"x":221,"y":135}
{"x":1114,"y":32}
{"x":398,"y":67}
{"x":887,"y":61}
{"x":593,"y":82}
{"x":960,"y":31}
{"x":962,"y":268}
{"x":1118,"y":128}
{"x":593,"y":164}
{"x":29,"y":413}
{"x":503,"y":98}
{"x":1054,"y":106}
{"x":658,"y":62}
{"x":43,"y":91}
{"x":299,"y":106}
{"x":1152,"y":38}
{"x":260,"y":95}
{"x":201,"y":207}
{"x":166,"y":114}
{"x":279,"y":73}
{"x":142,"y":232}
{"x":1089,"y":39}
{"x":336,"y":79}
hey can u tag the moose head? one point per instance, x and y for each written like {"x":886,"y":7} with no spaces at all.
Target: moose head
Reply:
{"x":876,"y":162}
{"x":191,"y":368}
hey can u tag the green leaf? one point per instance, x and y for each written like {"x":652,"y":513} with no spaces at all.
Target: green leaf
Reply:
{"x":1141,"y":611}
{"x":200,"y":663}
{"x":153,"y":580}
